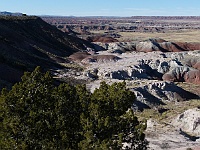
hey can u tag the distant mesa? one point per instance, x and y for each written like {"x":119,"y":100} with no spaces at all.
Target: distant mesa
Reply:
{"x":5,"y":13}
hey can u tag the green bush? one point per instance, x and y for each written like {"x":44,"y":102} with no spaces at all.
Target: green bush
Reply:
{"x":35,"y":114}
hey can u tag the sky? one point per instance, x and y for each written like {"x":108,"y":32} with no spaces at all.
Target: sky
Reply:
{"x":103,"y":7}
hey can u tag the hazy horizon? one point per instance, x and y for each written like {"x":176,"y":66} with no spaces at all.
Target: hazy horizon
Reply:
{"x":125,"y":8}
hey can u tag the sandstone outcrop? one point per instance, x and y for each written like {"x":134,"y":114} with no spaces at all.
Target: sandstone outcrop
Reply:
{"x":192,"y":77}
{"x":187,"y":69}
{"x":189,"y":121}
{"x":176,"y":74}
{"x":86,"y":57}
{"x":149,"y":93}
{"x":192,"y":61}
{"x":157,"y":93}
{"x":149,"y":46}
{"x":115,"y":47}
{"x":175,"y":67}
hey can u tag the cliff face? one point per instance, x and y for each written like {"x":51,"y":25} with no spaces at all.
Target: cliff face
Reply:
{"x":28,"y":41}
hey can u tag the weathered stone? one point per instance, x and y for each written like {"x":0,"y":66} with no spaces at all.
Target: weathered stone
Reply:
{"x":157,"y":93}
{"x":197,"y":65}
{"x":176,"y":74}
{"x":189,"y":121}
{"x":193,"y":77}
{"x":163,"y":67}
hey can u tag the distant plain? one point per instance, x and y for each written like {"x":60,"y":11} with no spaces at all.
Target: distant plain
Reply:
{"x":186,"y":35}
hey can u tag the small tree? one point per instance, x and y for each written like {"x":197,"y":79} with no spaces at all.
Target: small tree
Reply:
{"x":35,"y":114}
{"x":109,"y":123}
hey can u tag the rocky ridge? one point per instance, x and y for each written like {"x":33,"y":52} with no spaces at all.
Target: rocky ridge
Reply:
{"x":28,"y":41}
{"x":148,"y":45}
{"x":152,"y":65}
{"x":150,"y":75}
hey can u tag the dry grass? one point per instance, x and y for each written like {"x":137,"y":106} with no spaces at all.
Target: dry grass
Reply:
{"x":193,"y":88}
{"x":175,"y":36}
{"x":173,"y":109}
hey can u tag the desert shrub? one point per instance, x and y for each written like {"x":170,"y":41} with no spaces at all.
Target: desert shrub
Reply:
{"x":36,"y":114}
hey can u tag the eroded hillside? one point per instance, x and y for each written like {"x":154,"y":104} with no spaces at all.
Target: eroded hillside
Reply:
{"x":28,"y":41}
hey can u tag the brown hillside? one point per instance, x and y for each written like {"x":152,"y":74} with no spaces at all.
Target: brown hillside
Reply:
{"x":28,"y":41}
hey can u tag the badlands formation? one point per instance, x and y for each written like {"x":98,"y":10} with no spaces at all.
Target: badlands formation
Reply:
{"x":153,"y":70}
{"x":164,"y":75}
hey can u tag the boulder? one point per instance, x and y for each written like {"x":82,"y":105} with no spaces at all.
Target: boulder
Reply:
{"x":189,"y":121}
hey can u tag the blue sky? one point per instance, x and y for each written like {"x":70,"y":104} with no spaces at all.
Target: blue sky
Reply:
{"x":103,"y":7}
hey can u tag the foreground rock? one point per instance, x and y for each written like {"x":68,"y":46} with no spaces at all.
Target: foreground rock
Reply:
{"x":189,"y":122}
{"x":183,"y":132}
